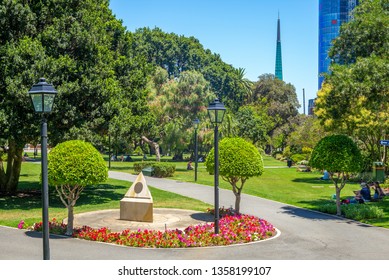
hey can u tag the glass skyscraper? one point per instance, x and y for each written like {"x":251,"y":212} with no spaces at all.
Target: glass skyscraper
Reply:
{"x":332,"y":13}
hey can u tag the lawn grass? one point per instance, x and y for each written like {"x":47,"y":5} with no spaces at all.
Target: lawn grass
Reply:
{"x":287,"y":185}
{"x":99,"y":197}
{"x":276,"y":183}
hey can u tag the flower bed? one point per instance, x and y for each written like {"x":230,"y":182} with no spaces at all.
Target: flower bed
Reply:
{"x":234,"y":229}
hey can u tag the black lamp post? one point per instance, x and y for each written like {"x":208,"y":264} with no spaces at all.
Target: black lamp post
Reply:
{"x":42,"y":95}
{"x":216,"y":111}
{"x":196,"y":126}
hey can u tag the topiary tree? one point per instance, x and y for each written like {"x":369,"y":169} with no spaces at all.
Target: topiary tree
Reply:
{"x":339,"y":155}
{"x":238,"y":161}
{"x":72,"y":165}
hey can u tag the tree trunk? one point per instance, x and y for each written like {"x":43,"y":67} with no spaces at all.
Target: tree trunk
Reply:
{"x":237,"y":202}
{"x":69,"y":228}
{"x":154,"y":145}
{"x":9,"y":178}
{"x":338,"y":205}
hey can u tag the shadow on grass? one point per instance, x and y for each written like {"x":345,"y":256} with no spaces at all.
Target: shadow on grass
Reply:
{"x":121,"y":168}
{"x":311,"y":180}
{"x":102,"y":193}
{"x":32,"y":199}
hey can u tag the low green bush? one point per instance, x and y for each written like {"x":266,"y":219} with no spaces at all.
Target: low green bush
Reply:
{"x":358,"y":212}
{"x":329,"y":208}
{"x":163,"y":169}
{"x":298,"y":157}
{"x":361,"y":212}
{"x":138,"y":166}
{"x":160,"y":169}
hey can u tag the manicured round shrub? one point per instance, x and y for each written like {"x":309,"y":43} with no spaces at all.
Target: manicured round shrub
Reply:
{"x":340,"y":156}
{"x":238,"y":161}
{"x":76,"y":162}
{"x":72,"y":165}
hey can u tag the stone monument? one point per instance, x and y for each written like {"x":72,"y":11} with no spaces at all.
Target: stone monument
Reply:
{"x":137,"y":204}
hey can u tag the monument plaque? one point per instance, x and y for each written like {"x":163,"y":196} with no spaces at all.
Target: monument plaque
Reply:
{"x":137,"y":204}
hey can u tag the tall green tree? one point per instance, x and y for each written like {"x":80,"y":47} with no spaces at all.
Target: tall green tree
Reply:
{"x":175,"y":104}
{"x":355,"y":95}
{"x":239,"y":160}
{"x":85,"y":52}
{"x":340,"y":156}
{"x":73,"y":165}
{"x":177,"y":54}
{"x":280,"y":101}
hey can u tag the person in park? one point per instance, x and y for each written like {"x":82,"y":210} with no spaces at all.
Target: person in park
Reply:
{"x":365,"y":192}
{"x":326,"y":175}
{"x":189,"y":166}
{"x":378,"y":192}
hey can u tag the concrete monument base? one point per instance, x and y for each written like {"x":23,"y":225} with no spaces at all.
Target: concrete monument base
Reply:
{"x":135,"y":209}
{"x":137,"y":203}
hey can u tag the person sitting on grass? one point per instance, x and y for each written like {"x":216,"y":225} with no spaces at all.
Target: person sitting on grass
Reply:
{"x":365,"y":192}
{"x":189,"y":166}
{"x":378,"y":192}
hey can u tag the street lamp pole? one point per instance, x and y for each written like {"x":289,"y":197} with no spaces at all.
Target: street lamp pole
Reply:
{"x":216,"y":178}
{"x":196,"y":126}
{"x":45,"y":192}
{"x":42,"y":96}
{"x":216,"y":111}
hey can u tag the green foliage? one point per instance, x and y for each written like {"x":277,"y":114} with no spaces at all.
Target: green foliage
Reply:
{"x":138,"y":166}
{"x":286,"y":152}
{"x":339,"y":155}
{"x":138,"y":151}
{"x":160,"y":169}
{"x":237,"y":158}
{"x":298,"y":157}
{"x":306,"y":132}
{"x":238,"y":161}
{"x":253,"y":124}
{"x":163,"y":169}
{"x":76,"y":162}
{"x":361,"y":212}
{"x":354,"y":98}
{"x":336,"y":153}
{"x":279,"y":99}
{"x":358,"y":212}
{"x":85,"y":52}
{"x":366,"y":34}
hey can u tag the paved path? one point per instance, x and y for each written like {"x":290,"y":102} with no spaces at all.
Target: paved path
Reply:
{"x":305,"y":235}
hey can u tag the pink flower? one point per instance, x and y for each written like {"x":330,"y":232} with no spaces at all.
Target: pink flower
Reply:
{"x":21,"y":224}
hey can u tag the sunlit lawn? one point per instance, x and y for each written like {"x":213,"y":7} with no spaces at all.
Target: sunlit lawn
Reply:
{"x":100,"y":197}
{"x":277,"y":183}
{"x":287,"y":185}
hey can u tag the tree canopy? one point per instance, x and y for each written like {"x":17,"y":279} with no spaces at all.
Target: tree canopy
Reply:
{"x":339,"y":155}
{"x":239,"y":160}
{"x":354,"y":96}
{"x":85,"y":52}
{"x":72,"y":166}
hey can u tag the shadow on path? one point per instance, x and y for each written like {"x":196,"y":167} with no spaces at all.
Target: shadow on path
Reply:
{"x":307,"y":214}
{"x":37,"y":234}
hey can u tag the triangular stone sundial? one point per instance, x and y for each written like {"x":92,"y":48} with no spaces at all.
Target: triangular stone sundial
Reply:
{"x":137,"y":204}
{"x":139,"y":188}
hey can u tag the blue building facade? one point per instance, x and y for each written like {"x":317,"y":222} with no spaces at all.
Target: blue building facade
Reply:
{"x":332,"y":14}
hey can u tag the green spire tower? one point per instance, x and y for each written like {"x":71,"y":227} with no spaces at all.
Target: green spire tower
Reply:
{"x":278,"y":73}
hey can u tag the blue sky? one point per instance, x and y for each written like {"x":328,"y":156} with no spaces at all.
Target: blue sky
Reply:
{"x":243,"y":32}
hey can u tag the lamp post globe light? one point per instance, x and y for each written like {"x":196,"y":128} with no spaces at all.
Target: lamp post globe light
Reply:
{"x":216,"y":111}
{"x":196,"y":126}
{"x":42,"y":96}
